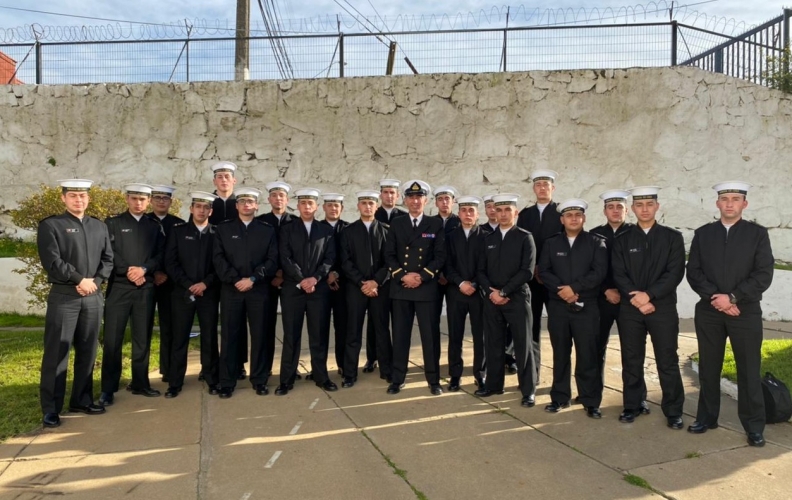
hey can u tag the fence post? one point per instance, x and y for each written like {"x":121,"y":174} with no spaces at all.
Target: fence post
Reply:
{"x":718,"y":61}
{"x":503,"y":55}
{"x":787,"y":15}
{"x":39,"y":75}
{"x":674,"y":30}
{"x":341,"y":55}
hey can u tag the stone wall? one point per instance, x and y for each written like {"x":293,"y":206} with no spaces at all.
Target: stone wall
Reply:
{"x":681,"y":128}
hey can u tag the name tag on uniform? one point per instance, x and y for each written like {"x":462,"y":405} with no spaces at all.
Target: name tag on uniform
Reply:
{"x":561,"y":254}
{"x":234,"y":236}
{"x":490,"y":247}
{"x":635,"y":250}
{"x":189,"y":237}
{"x":72,"y":230}
{"x":427,"y":235}
{"x":126,"y":230}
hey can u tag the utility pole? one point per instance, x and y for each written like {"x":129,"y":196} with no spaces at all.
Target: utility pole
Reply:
{"x":242,"y":59}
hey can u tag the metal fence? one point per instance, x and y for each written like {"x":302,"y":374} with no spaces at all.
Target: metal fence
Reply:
{"x":367,"y":54}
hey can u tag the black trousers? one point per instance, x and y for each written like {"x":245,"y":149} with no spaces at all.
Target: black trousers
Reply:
{"x":404,"y":312}
{"x":184,"y":311}
{"x":745,"y":335}
{"x":442,"y":293}
{"x":240,"y":311}
{"x":663,"y":327}
{"x":516,"y":317}
{"x":71,"y":321}
{"x":580,"y":328}
{"x":338,"y":307}
{"x":271,"y":324}
{"x":378,"y":309}
{"x":164,"y":309}
{"x":123,"y":305}
{"x":608,"y":315}
{"x":297,"y":306}
{"x":371,"y":342}
{"x":459,"y":307}
{"x":539,"y":298}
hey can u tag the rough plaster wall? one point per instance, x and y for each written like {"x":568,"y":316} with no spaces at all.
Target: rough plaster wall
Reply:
{"x":681,"y":128}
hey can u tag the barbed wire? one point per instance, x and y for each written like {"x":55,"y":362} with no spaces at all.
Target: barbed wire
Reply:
{"x":520,"y":16}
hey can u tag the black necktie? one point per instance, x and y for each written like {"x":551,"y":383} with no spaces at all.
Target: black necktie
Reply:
{"x":415,"y":223}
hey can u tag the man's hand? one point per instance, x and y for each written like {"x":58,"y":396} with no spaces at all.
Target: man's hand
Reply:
{"x":639,"y":299}
{"x":647,"y":308}
{"x":277,"y":281}
{"x":612,"y":295}
{"x":721,"y":302}
{"x":496,"y":299}
{"x":160,"y":278}
{"x":134,"y":273}
{"x":411,"y":280}
{"x":308,"y":285}
{"x":86,"y":287}
{"x":442,"y":280}
{"x":467,"y":288}
{"x":332,"y":281}
{"x":243,"y":285}
{"x":733,"y":310}
{"x":198,"y":289}
{"x":369,"y":288}
{"x":566,"y":293}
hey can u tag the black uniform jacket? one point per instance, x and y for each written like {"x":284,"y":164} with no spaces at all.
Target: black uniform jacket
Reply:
{"x":463,"y":255}
{"x":303,"y":257}
{"x":582,"y":266}
{"x":486,"y":228}
{"x":167,"y":222}
{"x":419,"y":250}
{"x":337,"y":230}
{"x":607,"y":232}
{"x":243,"y":251}
{"x":189,"y":254}
{"x":382,"y":216}
{"x":452,"y":223}
{"x":223,"y":210}
{"x":135,"y":243}
{"x":273,"y":221}
{"x":508,"y":263}
{"x":71,"y":250}
{"x":549,"y":224}
{"x":740,"y":262}
{"x":363,"y":253}
{"x":653,"y":263}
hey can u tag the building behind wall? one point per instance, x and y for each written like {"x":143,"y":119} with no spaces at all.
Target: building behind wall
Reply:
{"x":7,"y":69}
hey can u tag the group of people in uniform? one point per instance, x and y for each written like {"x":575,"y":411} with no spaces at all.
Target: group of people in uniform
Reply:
{"x":230,"y":266}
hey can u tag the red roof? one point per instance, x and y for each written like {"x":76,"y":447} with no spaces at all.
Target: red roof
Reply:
{"x":7,"y":69}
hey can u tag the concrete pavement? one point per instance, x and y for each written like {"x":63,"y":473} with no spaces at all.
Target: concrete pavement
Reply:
{"x":363,"y":443}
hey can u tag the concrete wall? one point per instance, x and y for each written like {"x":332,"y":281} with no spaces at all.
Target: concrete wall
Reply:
{"x":682,"y":128}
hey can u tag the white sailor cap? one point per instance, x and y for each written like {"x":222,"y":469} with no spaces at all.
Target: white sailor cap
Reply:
{"x":469,"y":201}
{"x":368,"y":195}
{"x":75,"y":184}
{"x":505,"y":199}
{"x":224,"y":166}
{"x":202,"y":197}
{"x":612,"y":195}
{"x":162,"y":189}
{"x":138,"y":189}
{"x":278,"y":186}
{"x":738,"y":187}
{"x":247,"y":192}
{"x":389,"y":183}
{"x":644,"y":192}
{"x":488,"y":198}
{"x":440,"y":190}
{"x":544,"y":175}
{"x":333,"y":197}
{"x":416,"y":187}
{"x":307,"y":194}
{"x":573,"y":204}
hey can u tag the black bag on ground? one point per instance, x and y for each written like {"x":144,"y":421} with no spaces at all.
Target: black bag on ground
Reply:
{"x":778,"y":402}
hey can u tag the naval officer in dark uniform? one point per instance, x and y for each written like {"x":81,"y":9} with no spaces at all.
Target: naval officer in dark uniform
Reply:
{"x":307,"y":253}
{"x":161,"y":201}
{"x":506,"y":265}
{"x":333,"y":206}
{"x":445,"y":198}
{"x":542,"y":221}
{"x":224,"y":207}
{"x":730,"y":266}
{"x":573,"y":265}
{"x":76,"y":254}
{"x":364,"y":268}
{"x":245,"y":256}
{"x":196,"y":290}
{"x":138,"y":249}
{"x":415,"y":252}
{"x":648,"y":265}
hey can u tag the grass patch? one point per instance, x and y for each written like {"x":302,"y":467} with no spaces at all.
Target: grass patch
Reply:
{"x":14,"y":320}
{"x":776,"y":359}
{"x":693,"y":454}
{"x":420,"y":495}
{"x":638,"y":481}
{"x":14,"y":247}
{"x":783,"y":266}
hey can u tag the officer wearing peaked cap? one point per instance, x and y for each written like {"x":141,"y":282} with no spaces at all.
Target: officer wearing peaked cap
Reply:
{"x":77,"y":257}
{"x":415,"y":253}
{"x":730,"y":266}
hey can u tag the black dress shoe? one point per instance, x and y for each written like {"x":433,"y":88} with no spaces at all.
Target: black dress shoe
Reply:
{"x":200,"y":376}
{"x":675,"y":423}
{"x":172,"y":392}
{"x":242,"y":375}
{"x":395,"y":388}
{"x":756,"y":439}
{"x":644,"y":408}
{"x":528,"y":401}
{"x":369,"y":366}
{"x":51,"y":420}
{"x":214,"y":389}
{"x":593,"y":412}
{"x":512,"y":368}
{"x":348,"y":382}
{"x":700,"y":427}
{"x":147,"y":391}
{"x":436,"y":390}
{"x":483,"y":392}
{"x":628,"y":416}
{"x":328,"y":385}
{"x":453,"y":386}
{"x":283,"y":389}
{"x":226,"y":392}
{"x":261,"y":389}
{"x":555,"y":407}
{"x":106,"y":399}
{"x":91,"y":409}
